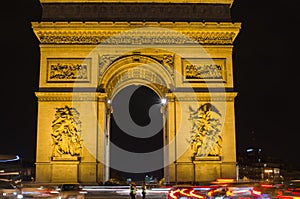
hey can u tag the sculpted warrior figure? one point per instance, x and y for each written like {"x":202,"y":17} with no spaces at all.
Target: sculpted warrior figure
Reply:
{"x":206,"y":139}
{"x":66,"y":132}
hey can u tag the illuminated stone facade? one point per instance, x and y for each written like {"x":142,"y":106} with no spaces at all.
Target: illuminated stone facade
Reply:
{"x":85,"y":62}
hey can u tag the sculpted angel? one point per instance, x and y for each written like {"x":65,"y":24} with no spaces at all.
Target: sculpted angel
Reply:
{"x":206,"y":139}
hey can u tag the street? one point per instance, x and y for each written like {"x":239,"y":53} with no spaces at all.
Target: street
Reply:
{"x":107,"y":192}
{"x":120,"y":194}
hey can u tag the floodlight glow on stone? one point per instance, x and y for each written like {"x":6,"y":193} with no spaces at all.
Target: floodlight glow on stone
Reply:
{"x":163,"y":100}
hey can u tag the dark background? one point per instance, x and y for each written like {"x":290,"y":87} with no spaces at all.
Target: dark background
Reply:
{"x":265,"y":59}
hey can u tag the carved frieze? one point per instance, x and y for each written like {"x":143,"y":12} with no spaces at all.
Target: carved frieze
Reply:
{"x":204,"y":70}
{"x":146,"y":33}
{"x":106,"y":38}
{"x":68,"y":70}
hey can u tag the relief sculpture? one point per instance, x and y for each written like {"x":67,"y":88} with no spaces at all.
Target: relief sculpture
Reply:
{"x":206,"y":71}
{"x":68,"y":71}
{"x":206,"y":138}
{"x":66,"y":128}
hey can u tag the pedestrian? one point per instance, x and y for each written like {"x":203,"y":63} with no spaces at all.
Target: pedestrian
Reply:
{"x":144,"y":189}
{"x":132,"y":190}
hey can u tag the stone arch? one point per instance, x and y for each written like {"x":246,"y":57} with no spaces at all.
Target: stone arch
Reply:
{"x":137,"y":70}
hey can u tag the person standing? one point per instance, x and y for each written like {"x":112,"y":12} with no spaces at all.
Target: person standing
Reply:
{"x":132,"y":190}
{"x":144,"y":189}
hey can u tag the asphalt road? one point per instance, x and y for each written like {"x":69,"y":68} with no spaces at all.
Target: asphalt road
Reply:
{"x":107,"y":193}
{"x":123,"y":193}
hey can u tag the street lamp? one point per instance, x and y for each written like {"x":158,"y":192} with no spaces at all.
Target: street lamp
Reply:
{"x":268,"y":172}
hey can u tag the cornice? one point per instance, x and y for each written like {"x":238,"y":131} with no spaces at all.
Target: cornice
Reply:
{"x":95,"y":96}
{"x":70,"y":96}
{"x":128,"y":33}
{"x":209,"y":96}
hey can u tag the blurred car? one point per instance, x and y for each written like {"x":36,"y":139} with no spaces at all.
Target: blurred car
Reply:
{"x":234,"y":190}
{"x":180,"y":192}
{"x":218,"y":193}
{"x":71,"y":191}
{"x":245,"y":190}
{"x":290,"y":190}
{"x":189,"y":191}
{"x":8,"y":190}
{"x":265,"y":190}
{"x":42,"y":191}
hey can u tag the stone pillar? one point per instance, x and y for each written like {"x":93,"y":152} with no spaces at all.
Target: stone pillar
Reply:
{"x":53,"y":165}
{"x":102,"y":139}
{"x":170,"y":140}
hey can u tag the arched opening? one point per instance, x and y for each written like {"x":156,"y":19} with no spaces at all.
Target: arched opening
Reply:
{"x":143,"y":107}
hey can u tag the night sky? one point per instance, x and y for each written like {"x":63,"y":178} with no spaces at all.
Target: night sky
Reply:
{"x":266,"y":76}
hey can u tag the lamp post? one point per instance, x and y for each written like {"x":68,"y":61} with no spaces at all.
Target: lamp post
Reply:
{"x":268,"y":172}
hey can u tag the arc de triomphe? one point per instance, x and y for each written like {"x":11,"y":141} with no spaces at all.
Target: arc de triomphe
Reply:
{"x":90,"y":50}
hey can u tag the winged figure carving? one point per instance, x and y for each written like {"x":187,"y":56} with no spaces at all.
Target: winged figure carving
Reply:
{"x":206,"y":138}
